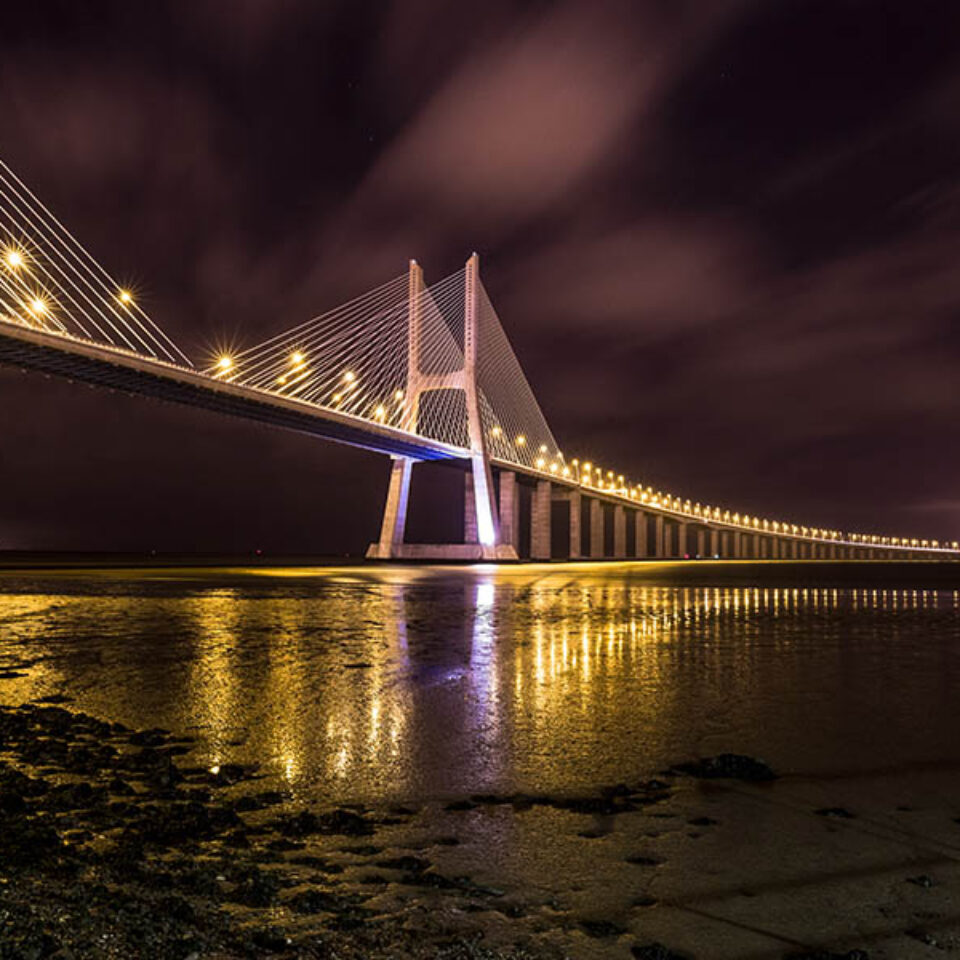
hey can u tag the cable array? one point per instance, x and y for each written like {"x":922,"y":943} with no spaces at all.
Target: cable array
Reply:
{"x":49,"y":282}
{"x":356,"y":359}
{"x":515,"y":427}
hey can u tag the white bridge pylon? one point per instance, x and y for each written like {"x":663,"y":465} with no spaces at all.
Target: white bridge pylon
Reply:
{"x":433,"y":362}
{"x":482,"y":524}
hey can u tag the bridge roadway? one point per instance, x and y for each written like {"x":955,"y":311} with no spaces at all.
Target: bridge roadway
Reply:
{"x":119,"y":369}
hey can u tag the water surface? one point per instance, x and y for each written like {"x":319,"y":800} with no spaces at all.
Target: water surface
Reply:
{"x":404,"y":683}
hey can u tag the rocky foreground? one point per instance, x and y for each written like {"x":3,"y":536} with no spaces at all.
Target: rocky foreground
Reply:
{"x":113,"y":845}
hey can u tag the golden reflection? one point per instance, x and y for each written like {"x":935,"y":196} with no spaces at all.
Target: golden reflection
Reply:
{"x":424,"y":683}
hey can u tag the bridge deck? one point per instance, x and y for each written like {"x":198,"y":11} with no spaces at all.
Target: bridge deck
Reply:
{"x":118,"y":369}
{"x":121,"y":370}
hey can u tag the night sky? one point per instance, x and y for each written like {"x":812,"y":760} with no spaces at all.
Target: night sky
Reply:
{"x":724,"y":238}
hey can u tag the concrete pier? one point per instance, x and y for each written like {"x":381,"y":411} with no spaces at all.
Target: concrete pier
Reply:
{"x":596,"y":529}
{"x":540,"y":516}
{"x":619,"y":532}
{"x":659,"y":546}
{"x":576,"y":534}
{"x":641,"y":547}
{"x":509,"y":509}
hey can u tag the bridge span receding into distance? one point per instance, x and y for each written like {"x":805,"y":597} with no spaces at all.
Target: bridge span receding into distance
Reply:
{"x":414,"y":372}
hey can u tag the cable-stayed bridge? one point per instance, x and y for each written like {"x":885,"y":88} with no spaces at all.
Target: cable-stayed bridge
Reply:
{"x":414,"y":371}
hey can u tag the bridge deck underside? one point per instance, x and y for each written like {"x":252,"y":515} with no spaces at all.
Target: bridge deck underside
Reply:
{"x":134,"y":376}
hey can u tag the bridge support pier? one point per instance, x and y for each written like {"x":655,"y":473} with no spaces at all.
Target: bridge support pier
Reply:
{"x":509,"y":509}
{"x":395,"y":512}
{"x":469,"y":510}
{"x":619,"y":532}
{"x":715,"y":539}
{"x":576,"y":530}
{"x":683,"y":545}
{"x":540,"y":521}
{"x":596,"y":529}
{"x":659,"y":547}
{"x":701,"y":542}
{"x":641,"y":547}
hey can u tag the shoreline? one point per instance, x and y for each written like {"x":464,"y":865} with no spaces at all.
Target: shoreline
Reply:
{"x":916,"y":575}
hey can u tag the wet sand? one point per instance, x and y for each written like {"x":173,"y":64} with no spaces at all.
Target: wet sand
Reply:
{"x":115,"y":845}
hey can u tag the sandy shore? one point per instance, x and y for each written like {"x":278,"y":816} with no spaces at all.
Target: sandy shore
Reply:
{"x":112,"y":844}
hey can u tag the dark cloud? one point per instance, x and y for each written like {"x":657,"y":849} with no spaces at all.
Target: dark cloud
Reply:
{"x":721,"y":236}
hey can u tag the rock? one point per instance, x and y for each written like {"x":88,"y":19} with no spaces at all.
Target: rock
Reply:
{"x":373,"y":879}
{"x":346,"y":823}
{"x":283,"y":844}
{"x":75,"y":796}
{"x":298,"y":825}
{"x":601,"y":928}
{"x":840,"y":813}
{"x":728,"y":766}
{"x":617,"y":790}
{"x":227,"y":774}
{"x":827,"y":955}
{"x":26,"y":843}
{"x":256,"y":888}
{"x":313,"y":901}
{"x":411,"y":864}
{"x":592,"y":805}
{"x":149,"y":738}
{"x":921,"y":881}
{"x":11,"y":803}
{"x":655,"y":951}
{"x":433,"y":879}
{"x":271,"y":940}
{"x":925,"y":937}
{"x":184,"y":821}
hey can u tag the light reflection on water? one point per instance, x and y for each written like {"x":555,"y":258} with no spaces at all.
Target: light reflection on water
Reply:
{"x":414,"y":683}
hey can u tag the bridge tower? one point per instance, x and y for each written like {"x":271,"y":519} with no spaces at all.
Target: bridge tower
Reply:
{"x":482,"y":539}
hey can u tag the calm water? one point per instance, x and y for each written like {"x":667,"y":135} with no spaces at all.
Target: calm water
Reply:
{"x":401,"y":683}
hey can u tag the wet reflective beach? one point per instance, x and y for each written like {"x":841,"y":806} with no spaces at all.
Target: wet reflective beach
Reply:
{"x":407,"y":684}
